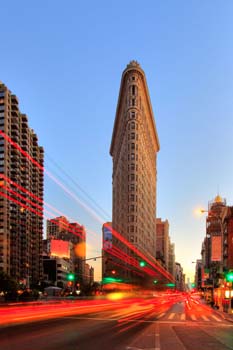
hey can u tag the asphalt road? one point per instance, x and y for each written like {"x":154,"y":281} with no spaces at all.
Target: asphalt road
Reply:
{"x":164,"y":325}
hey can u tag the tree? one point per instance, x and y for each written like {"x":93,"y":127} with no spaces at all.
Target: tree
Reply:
{"x":8,"y":286}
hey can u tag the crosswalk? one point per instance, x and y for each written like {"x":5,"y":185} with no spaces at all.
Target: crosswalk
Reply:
{"x":172,"y":316}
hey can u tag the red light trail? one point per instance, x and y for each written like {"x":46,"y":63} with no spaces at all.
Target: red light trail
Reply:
{"x":153,"y":263}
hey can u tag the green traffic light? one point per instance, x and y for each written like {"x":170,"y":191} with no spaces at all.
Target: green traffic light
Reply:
{"x":70,"y":276}
{"x":229,"y":277}
{"x":107,"y":280}
{"x":155,"y":281}
{"x":142,"y":263}
{"x":170,"y":284}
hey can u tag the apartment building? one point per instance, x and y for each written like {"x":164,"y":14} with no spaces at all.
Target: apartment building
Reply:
{"x":21,"y":193}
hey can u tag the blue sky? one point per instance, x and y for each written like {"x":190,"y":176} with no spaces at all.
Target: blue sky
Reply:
{"x":64,"y":61}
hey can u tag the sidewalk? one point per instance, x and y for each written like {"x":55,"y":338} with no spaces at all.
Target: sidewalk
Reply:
{"x":224,"y":315}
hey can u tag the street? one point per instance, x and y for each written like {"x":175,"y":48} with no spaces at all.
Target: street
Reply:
{"x":157,"y":323}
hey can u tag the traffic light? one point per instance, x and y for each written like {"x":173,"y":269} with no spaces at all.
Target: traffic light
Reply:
{"x":229,"y":276}
{"x":155,"y":281}
{"x":170,"y":284}
{"x":113,"y":272}
{"x":142,"y":263}
{"x":70,"y":276}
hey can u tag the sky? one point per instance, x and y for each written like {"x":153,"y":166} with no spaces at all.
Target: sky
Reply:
{"x":64,"y":61}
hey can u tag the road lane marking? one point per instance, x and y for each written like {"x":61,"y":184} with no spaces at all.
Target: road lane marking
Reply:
{"x":161,"y":315}
{"x":171,"y":316}
{"x":183,"y":317}
{"x":193,"y":317}
{"x":204,"y":318}
{"x":157,"y":337}
{"x":216,"y":318}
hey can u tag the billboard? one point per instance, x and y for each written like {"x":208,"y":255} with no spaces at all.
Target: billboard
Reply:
{"x":216,"y":248}
{"x":60,"y":248}
{"x":107,"y":237}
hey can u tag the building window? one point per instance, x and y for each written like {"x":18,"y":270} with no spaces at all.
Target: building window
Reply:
{"x":132,"y":166}
{"x":132,"y":187}
{"x":132,"y":156}
{"x":131,"y":198}
{"x":133,"y":101}
{"x":132,"y":125}
{"x":132,"y":135}
{"x":131,"y":229}
{"x":132,"y":177}
{"x":133,"y":89}
{"x":132,"y":146}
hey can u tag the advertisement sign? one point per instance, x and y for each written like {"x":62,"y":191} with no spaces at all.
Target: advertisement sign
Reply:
{"x":216,"y":248}
{"x":60,"y":248}
{"x":107,"y":238}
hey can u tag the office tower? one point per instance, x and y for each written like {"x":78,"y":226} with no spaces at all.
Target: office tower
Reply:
{"x":21,"y":193}
{"x":134,"y":150}
{"x":162,"y":242}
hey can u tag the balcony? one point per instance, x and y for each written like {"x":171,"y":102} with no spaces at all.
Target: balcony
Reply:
{"x":14,"y":99}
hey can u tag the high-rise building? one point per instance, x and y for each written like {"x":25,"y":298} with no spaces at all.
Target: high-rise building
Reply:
{"x":21,"y":193}
{"x":179,"y":277}
{"x":162,"y":241}
{"x":134,"y":150}
{"x":171,"y":258}
{"x":214,"y":235}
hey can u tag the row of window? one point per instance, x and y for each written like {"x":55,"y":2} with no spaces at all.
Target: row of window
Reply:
{"x":133,"y":89}
{"x":132,"y":156}
{"x":132,"y":125}
{"x":132,"y":136}
{"x":132,"y":146}
{"x":132,"y":166}
{"x":132,"y":177}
